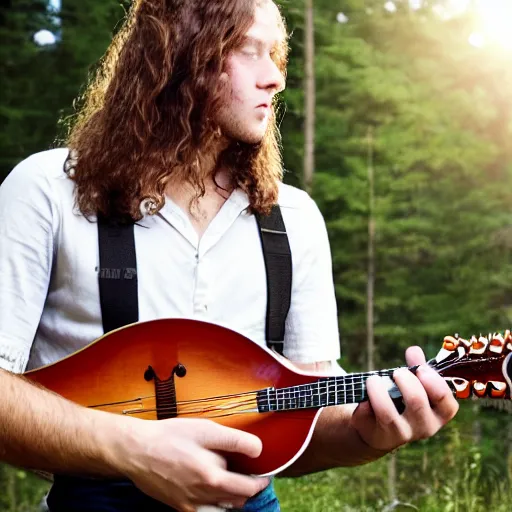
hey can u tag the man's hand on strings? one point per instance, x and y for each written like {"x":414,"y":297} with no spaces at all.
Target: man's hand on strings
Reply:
{"x":429,"y":405}
{"x":176,"y":461}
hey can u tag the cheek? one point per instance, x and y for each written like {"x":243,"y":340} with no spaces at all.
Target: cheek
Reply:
{"x":228,"y":89}
{"x":238,"y":81}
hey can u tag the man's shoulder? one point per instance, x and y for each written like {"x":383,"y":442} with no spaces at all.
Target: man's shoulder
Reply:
{"x":43,"y":165}
{"x":293,"y":197}
{"x":300,"y":212}
{"x":39,"y":177}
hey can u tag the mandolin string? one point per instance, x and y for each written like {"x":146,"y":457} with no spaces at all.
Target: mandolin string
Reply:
{"x":283,"y":393}
{"x":352,"y":381}
{"x":220,"y":397}
{"x":246,"y":403}
{"x":347,"y":385}
{"x":352,"y":388}
{"x":355,"y":386}
{"x":183,"y":402}
{"x":233,"y":405}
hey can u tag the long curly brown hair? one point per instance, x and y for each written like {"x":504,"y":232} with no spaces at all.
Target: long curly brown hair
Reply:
{"x":147,"y":113}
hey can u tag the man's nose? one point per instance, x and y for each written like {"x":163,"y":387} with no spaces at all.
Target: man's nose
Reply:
{"x":271,"y":77}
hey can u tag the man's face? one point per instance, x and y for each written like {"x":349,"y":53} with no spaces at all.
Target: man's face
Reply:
{"x":252,"y":79}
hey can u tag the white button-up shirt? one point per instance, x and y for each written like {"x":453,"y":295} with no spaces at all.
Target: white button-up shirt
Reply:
{"x":49,"y":260}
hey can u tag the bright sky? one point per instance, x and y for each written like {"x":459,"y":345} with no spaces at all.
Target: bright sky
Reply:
{"x":494,"y":18}
{"x":45,"y":37}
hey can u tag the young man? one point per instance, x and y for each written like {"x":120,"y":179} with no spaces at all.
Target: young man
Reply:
{"x":178,"y":134}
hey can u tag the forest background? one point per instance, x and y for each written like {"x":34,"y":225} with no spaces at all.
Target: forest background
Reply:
{"x":397,"y":120}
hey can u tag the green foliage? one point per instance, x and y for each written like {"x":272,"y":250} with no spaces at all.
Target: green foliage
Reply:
{"x":39,"y":84}
{"x":24,"y":111}
{"x":442,"y":172}
{"x":439,"y":112}
{"x":465,"y":468}
{"x":452,"y":472}
{"x":21,"y":491}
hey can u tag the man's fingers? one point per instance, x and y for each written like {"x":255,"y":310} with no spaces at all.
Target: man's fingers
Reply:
{"x":216,"y":459}
{"x":414,"y":356}
{"x":439,"y":394}
{"x":233,"y":486}
{"x":381,"y":403}
{"x":221,"y":438}
{"x":414,"y":394}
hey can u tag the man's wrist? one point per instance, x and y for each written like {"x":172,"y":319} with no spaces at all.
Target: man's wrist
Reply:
{"x":117,"y":442}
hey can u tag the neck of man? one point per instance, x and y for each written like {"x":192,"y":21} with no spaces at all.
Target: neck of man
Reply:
{"x":217,"y":184}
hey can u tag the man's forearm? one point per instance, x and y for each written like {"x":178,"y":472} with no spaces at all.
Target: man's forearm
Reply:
{"x":329,"y":448}
{"x":41,"y":430}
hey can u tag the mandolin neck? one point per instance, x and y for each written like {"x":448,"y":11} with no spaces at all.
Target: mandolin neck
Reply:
{"x":327,"y":391}
{"x":482,"y":375}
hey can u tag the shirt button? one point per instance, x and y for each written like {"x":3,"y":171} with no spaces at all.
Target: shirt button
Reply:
{"x":206,"y":307}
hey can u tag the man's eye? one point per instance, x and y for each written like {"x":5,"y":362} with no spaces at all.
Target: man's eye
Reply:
{"x":250,"y":52}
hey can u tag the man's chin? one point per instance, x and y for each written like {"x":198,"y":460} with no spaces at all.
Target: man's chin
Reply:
{"x":250,"y":138}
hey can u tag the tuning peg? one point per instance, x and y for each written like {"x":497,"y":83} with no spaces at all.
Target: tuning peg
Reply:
{"x":496,"y":343}
{"x":497,"y":389}
{"x":508,"y":340}
{"x":479,"y":388}
{"x":467,"y":344}
{"x":478,"y":346}
{"x":451,"y":343}
{"x":462,"y":387}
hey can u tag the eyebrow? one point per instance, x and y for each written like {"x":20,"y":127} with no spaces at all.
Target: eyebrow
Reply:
{"x":252,"y":39}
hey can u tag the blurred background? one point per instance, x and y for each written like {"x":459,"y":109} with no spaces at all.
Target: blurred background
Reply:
{"x":397,"y":119}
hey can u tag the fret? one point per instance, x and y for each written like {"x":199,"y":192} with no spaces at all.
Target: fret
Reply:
{"x":291,"y":401}
{"x":309,"y":396}
{"x":323,"y":392}
{"x":362,"y":382}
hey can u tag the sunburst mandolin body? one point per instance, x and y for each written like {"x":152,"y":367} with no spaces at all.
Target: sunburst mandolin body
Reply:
{"x":177,"y":368}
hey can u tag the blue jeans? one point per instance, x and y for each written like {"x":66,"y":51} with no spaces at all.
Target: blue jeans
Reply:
{"x":71,"y":494}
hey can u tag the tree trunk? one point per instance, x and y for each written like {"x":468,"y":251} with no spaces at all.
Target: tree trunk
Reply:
{"x":371,"y":257}
{"x":309,"y":91}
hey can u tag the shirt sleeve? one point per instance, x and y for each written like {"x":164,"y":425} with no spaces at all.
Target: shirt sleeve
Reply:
{"x":26,"y":254}
{"x":311,"y":332}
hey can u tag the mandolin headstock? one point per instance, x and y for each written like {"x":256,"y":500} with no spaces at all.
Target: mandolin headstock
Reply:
{"x":481,"y":366}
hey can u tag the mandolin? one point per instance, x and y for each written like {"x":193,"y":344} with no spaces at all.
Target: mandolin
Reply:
{"x":172,"y":368}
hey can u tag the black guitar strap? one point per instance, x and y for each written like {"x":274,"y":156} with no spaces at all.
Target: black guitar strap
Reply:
{"x":278,"y":263}
{"x":118,"y":275}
